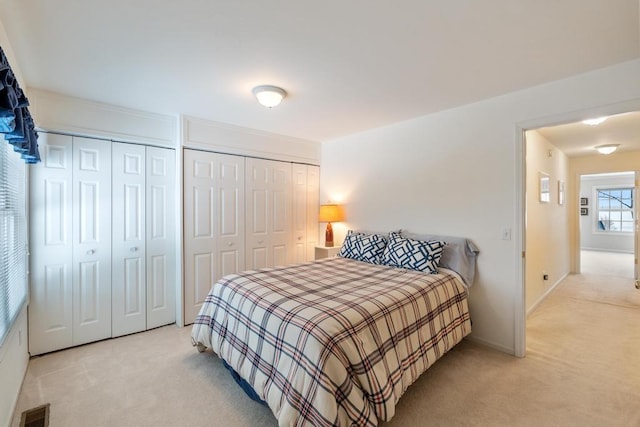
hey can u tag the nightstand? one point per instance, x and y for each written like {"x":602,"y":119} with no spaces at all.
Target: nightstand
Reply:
{"x":325,"y":252}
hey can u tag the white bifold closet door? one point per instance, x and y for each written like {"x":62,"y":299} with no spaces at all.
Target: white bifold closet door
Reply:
{"x":214,"y":226}
{"x":268,"y":214}
{"x":102,"y":256}
{"x":92,"y":240}
{"x":313,"y":204}
{"x":143,"y":238}
{"x":129,"y":238}
{"x":161,"y":247}
{"x":306,"y":195}
{"x":51,"y":246}
{"x":70,"y":243}
{"x":299,"y":212}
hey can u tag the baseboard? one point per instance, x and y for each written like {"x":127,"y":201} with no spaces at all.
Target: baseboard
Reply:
{"x":617,"y":251}
{"x":545,"y":295}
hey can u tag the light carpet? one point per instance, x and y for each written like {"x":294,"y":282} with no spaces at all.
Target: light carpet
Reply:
{"x":607,"y":263}
{"x":582,"y":369}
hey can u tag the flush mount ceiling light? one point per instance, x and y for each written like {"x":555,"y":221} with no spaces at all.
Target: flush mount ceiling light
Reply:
{"x":269,"y":96}
{"x":594,"y":122}
{"x":607,"y":148}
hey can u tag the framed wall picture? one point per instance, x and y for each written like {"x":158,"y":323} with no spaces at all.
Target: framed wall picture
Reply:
{"x":584,"y":211}
{"x":584,"y":201}
{"x":561,"y":193}
{"x":545,"y":190}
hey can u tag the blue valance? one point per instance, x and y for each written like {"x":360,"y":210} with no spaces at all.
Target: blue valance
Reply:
{"x":16,"y":122}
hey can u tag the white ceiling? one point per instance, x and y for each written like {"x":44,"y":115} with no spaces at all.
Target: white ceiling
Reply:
{"x":347,"y":65}
{"x":579,"y":139}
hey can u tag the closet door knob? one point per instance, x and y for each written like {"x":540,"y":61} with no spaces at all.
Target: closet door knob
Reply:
{"x":134,"y":249}
{"x":230,"y":244}
{"x":91,"y":252}
{"x":260,"y":242}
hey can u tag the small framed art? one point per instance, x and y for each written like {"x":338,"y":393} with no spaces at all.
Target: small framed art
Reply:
{"x":584,"y":201}
{"x":584,"y":211}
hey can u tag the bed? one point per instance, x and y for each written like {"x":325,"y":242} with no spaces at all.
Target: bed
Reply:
{"x":335,"y":341}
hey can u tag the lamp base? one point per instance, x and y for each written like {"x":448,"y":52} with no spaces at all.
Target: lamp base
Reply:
{"x":328,"y":236}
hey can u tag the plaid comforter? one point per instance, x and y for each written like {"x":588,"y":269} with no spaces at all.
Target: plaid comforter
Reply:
{"x":335,"y":341}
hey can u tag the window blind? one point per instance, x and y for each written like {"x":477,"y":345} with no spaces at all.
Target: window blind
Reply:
{"x":13,"y":238}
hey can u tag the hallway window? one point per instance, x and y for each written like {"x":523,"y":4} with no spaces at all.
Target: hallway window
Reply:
{"x":615,"y":210}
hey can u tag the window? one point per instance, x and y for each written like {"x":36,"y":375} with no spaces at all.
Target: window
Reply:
{"x":13,"y":237}
{"x":615,"y":210}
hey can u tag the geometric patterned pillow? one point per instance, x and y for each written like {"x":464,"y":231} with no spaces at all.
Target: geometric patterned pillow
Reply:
{"x":363,"y":247}
{"x":413,"y":254}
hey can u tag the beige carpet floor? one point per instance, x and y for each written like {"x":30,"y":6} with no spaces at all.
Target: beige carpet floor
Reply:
{"x":582,"y":369}
{"x":607,"y":263}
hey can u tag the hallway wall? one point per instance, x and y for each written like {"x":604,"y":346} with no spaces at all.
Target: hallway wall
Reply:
{"x":547,"y":223}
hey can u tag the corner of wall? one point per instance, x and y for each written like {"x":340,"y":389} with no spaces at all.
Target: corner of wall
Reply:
{"x":547,"y":231}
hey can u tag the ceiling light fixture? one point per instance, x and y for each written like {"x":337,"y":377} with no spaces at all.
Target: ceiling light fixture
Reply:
{"x":269,"y":96}
{"x":594,"y":122}
{"x":607,"y":148}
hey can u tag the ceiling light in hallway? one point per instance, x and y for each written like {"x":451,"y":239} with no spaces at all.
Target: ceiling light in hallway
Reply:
{"x":607,"y":148}
{"x":594,"y":122}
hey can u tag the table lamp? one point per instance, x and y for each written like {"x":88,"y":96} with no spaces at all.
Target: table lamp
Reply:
{"x":330,"y":213}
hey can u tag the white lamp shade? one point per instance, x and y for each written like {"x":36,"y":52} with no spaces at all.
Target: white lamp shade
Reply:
{"x":269,"y":96}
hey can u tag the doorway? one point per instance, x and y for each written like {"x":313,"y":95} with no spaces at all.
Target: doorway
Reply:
{"x":567,"y":152}
{"x":607,"y":224}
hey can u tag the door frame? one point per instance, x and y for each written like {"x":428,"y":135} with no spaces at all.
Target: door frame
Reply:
{"x":520,"y":313}
{"x":636,"y":232}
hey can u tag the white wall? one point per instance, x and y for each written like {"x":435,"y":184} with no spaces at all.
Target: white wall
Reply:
{"x":590,"y":237}
{"x":13,"y":365}
{"x":547,"y":225}
{"x":60,"y":113}
{"x":459,"y":172}
{"x":208,"y":135}
{"x":13,"y":352}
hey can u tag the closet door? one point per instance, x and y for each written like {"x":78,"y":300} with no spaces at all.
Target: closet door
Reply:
{"x":128,"y":239}
{"x":92,"y":240}
{"x":51,"y":246}
{"x":313,"y":207}
{"x":161,"y":240}
{"x":268,"y":220}
{"x":199,"y":229}
{"x":229,"y":250}
{"x":213,"y":223}
{"x":299,"y":212}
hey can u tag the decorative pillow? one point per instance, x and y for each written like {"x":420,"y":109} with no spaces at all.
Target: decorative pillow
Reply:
{"x":413,"y":254}
{"x":363,"y":247}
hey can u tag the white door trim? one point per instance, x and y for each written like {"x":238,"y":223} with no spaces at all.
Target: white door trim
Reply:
{"x":520,"y":182}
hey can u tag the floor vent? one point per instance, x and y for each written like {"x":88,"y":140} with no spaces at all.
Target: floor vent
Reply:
{"x":36,"y":417}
